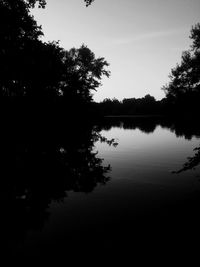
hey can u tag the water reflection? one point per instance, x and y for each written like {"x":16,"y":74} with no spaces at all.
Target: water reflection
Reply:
{"x":192,"y":162}
{"x":43,"y":166}
{"x":182,"y":128}
{"x":39,"y":168}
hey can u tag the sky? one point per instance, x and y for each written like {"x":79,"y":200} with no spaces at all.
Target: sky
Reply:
{"x":142,"y":40}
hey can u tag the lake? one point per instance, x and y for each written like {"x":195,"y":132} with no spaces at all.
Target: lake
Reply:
{"x":122,"y":199}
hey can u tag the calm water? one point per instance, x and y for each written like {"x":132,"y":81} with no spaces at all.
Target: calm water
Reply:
{"x":139,"y":207}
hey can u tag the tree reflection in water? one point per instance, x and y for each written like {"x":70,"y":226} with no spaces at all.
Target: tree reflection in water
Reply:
{"x":181,"y":128}
{"x":40,"y":165}
{"x":186,"y":129}
{"x":192,"y":162}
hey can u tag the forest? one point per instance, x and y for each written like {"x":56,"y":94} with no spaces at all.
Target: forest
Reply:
{"x":40,"y":78}
{"x":34,"y":73}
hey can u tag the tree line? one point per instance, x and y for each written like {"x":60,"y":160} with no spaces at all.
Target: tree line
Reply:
{"x":146,"y":105}
{"x":34,"y":72}
{"x":182,"y":92}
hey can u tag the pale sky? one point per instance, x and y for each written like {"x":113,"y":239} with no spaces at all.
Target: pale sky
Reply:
{"x":141,"y":39}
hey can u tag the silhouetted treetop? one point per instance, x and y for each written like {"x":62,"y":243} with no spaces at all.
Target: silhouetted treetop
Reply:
{"x":184,"y":86}
{"x":42,"y":3}
{"x":32,"y":3}
{"x":88,"y":2}
{"x":146,"y":105}
{"x":83,"y":72}
{"x":195,"y":36}
{"x":31,"y":67}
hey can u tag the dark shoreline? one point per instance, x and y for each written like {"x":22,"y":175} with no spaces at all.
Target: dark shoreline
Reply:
{"x":135,"y":116}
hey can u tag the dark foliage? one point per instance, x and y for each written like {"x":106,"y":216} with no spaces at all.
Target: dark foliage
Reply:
{"x":82,"y":73}
{"x":42,"y":3}
{"x":183,"y":90}
{"x":88,"y":2}
{"x":147,"y":105}
{"x":42,"y":72}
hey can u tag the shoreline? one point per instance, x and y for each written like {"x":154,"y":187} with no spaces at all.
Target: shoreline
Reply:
{"x":134,"y":116}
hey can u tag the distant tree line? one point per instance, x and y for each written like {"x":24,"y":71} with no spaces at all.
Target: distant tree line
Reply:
{"x":182,"y":92}
{"x":146,"y":105}
{"x":34,"y":73}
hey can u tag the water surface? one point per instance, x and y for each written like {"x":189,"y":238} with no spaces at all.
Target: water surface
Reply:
{"x":115,"y":199}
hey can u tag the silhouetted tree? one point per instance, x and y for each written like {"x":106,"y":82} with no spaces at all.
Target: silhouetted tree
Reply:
{"x":184,"y":88}
{"x":18,"y":31}
{"x":82,"y":73}
{"x":39,"y":70}
{"x":146,"y":105}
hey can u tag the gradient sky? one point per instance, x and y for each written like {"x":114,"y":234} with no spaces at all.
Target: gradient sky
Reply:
{"x":141,"y":39}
